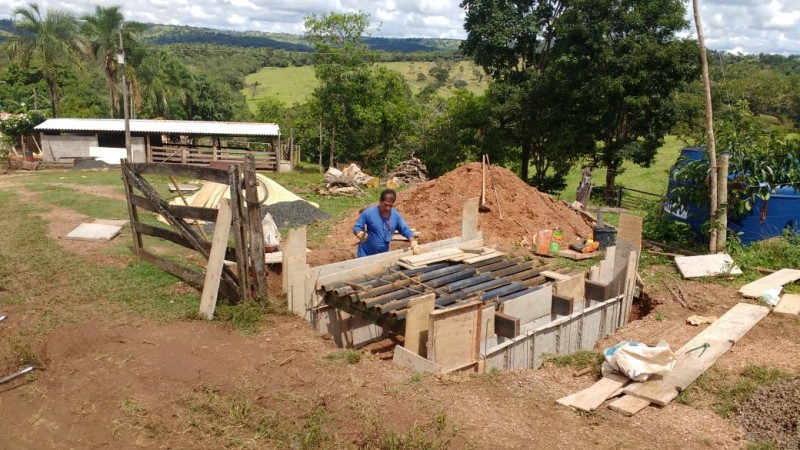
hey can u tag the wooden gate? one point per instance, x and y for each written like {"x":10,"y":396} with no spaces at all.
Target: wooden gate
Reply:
{"x":248,"y":280}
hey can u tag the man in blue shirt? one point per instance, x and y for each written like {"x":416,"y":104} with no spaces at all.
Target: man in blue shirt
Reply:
{"x":377,"y":224}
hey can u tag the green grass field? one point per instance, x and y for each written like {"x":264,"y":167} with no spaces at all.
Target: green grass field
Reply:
{"x":294,"y":84}
{"x":651,"y":179}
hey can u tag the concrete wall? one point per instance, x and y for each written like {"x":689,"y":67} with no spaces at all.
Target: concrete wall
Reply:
{"x":60,"y":148}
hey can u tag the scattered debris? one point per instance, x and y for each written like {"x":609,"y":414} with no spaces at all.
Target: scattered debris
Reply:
{"x":706,"y":265}
{"x":16,"y":375}
{"x":699,"y":320}
{"x":94,"y":232}
{"x":346,"y":182}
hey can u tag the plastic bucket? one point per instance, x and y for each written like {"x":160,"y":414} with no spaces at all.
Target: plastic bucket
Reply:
{"x":606,"y":236}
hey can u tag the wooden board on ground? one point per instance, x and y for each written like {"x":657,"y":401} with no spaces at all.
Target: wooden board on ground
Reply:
{"x":576,"y":256}
{"x":757,"y":288}
{"x":94,"y":232}
{"x":454,"y":336}
{"x":216,"y":258}
{"x":431,"y":257}
{"x":706,"y":265}
{"x":720,"y":335}
{"x":789,"y":304}
{"x":531,"y":306}
{"x":592,"y":397}
{"x":406,"y":358}
{"x":416,"y":338}
{"x":628,"y":405}
{"x":482,"y":257}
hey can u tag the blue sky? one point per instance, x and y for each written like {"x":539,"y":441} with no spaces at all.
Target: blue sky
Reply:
{"x":745,"y":26}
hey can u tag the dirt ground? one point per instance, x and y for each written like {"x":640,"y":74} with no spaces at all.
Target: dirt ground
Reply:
{"x":112,"y":379}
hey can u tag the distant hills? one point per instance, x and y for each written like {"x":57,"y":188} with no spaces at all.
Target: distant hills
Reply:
{"x":159,"y":34}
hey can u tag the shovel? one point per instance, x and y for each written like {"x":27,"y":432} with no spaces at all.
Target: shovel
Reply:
{"x":483,"y":207}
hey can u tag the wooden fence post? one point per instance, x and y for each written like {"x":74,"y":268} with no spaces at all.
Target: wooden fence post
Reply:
{"x":255,"y":229}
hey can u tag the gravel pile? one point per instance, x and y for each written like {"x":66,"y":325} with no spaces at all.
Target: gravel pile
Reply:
{"x":294,"y":214}
{"x":773,"y":414}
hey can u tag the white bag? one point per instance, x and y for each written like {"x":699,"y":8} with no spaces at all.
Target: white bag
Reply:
{"x":271,"y":234}
{"x":638,"y":361}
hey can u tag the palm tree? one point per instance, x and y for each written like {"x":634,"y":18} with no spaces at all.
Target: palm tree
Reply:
{"x":161,"y":80}
{"x":46,"y":43}
{"x":102,"y":30}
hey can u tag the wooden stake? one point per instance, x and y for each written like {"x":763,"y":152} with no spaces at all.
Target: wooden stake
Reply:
{"x":216,"y":259}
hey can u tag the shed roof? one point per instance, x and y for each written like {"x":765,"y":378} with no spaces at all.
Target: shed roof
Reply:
{"x":182,"y":127}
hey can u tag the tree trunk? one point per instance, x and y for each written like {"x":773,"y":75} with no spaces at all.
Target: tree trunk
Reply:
{"x":712,"y":146}
{"x":333,"y":146}
{"x":110,"y":72}
{"x":611,"y":179}
{"x":526,"y":160}
{"x":52,"y":87}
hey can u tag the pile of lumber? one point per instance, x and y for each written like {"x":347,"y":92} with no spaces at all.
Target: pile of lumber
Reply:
{"x":409,"y":172}
{"x":470,"y":256}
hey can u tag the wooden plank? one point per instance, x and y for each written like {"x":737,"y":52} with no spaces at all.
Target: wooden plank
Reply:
{"x":592,"y":397}
{"x":469,"y":220}
{"x":554,"y":275}
{"x":200,"y":198}
{"x":789,"y":304}
{"x":133,"y":213}
{"x":721,"y":335}
{"x":487,"y":322}
{"x":201,"y":173}
{"x":757,"y":288}
{"x":706,"y":265}
{"x":629,"y":287}
{"x":208,"y":300}
{"x":607,"y":266}
{"x":406,"y":358}
{"x":576,"y":256}
{"x":484,"y":257}
{"x":431,"y":257}
{"x":242,"y":262}
{"x":628,"y":405}
{"x":506,"y":326}
{"x":255,"y":230}
{"x":594,"y":290}
{"x":572,"y":287}
{"x":417,"y":322}
{"x":454,"y":336}
{"x":531,"y":306}
{"x":563,"y":306}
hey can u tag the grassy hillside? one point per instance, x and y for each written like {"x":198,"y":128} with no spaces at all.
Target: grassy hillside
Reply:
{"x":652,"y":179}
{"x":294,"y":84}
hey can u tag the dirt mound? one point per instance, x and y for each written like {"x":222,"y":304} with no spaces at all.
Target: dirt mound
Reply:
{"x":434,"y":208}
{"x":772,"y":414}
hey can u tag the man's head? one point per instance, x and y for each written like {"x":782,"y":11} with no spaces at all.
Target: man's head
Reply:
{"x":388,"y":196}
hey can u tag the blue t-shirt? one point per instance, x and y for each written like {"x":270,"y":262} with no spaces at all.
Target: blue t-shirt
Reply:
{"x":379,"y":230}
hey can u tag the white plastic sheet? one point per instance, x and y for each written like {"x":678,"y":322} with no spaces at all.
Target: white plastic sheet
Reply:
{"x":638,"y":361}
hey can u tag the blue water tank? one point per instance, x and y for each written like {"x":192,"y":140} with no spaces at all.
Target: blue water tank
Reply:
{"x":764,"y":220}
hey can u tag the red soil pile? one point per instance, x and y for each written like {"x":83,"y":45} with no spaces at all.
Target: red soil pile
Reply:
{"x":434,"y":209}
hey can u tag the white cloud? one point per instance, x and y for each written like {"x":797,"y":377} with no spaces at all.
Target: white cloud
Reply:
{"x":752,"y":26}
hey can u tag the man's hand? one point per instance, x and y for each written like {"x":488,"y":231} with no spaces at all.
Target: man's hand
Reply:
{"x":362,"y":236}
{"x":414,"y":247}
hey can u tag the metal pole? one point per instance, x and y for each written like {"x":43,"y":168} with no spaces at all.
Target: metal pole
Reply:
{"x":126,"y":113}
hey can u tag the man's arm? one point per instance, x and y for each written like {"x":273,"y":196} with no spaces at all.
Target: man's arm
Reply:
{"x":359,"y":229}
{"x":406,"y":231}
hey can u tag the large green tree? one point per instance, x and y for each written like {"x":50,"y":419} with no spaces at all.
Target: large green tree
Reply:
{"x":102,"y":31}
{"x":46,"y":42}
{"x":626,"y":64}
{"x":340,"y":60}
{"x":513,"y":41}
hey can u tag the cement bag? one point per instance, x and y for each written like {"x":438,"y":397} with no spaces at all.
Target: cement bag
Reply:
{"x":638,"y":361}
